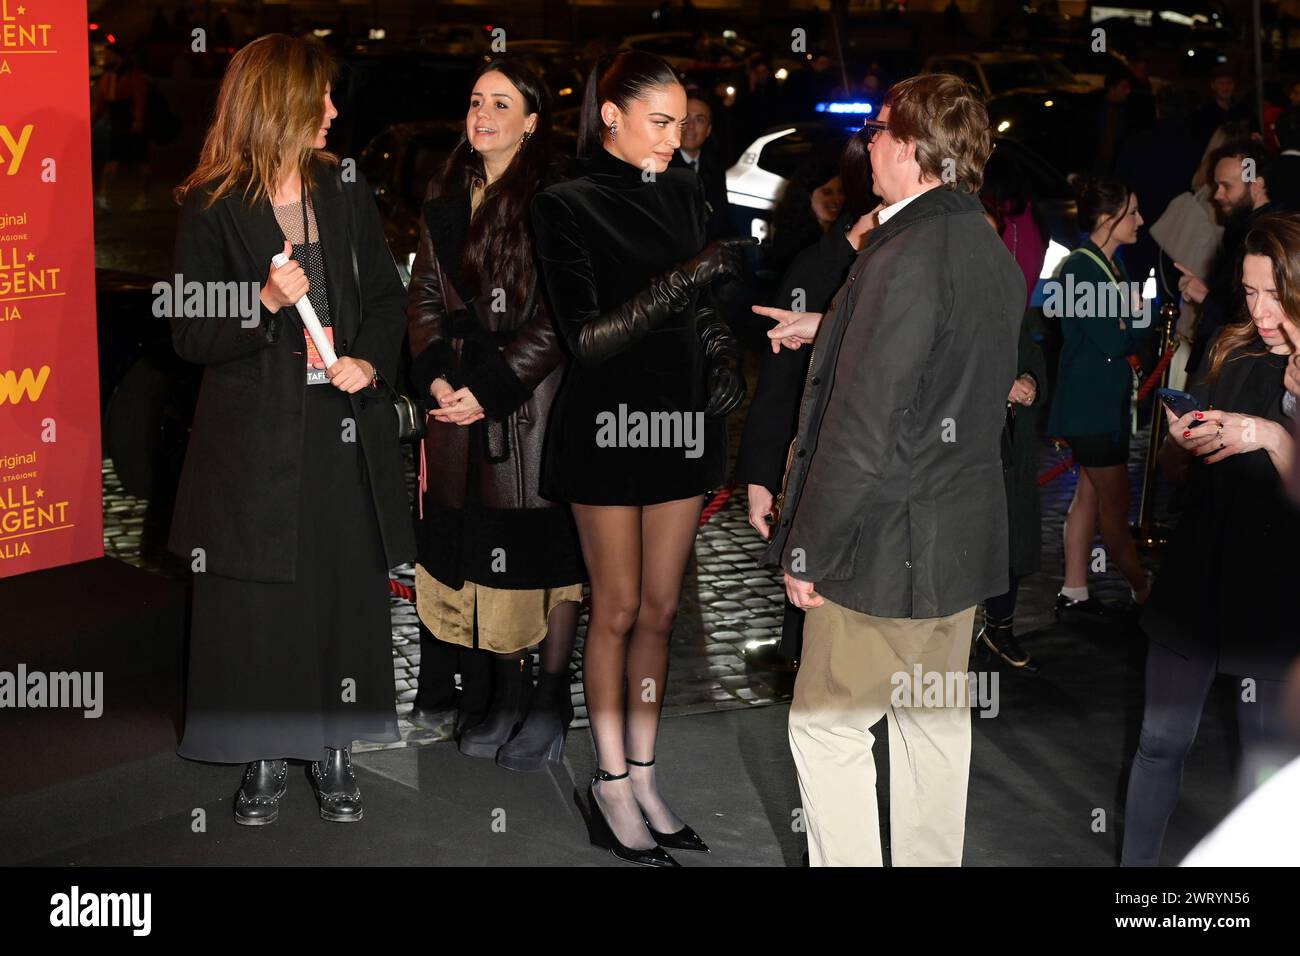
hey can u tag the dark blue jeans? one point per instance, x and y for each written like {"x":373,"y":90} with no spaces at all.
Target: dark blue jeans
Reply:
{"x":1176,"y":688}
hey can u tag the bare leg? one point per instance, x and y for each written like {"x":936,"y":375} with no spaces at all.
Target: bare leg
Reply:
{"x":1111,"y":484}
{"x":611,"y":547}
{"x":1080,"y":528}
{"x":668,"y":536}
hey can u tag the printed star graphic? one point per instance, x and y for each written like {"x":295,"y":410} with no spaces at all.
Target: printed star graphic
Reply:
{"x":40,"y":492}
{"x":31,"y":256}
{"x":22,"y":10}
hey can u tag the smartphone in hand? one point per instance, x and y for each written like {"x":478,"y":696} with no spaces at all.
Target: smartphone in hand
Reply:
{"x":1180,"y":403}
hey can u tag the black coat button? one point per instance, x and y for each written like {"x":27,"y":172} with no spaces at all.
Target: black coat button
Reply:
{"x":817,"y":380}
{"x":802,"y":452}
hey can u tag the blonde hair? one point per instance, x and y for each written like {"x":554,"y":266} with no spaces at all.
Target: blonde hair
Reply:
{"x":269,"y":109}
{"x":946,"y":119}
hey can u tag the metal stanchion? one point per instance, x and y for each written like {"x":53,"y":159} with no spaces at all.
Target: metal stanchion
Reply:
{"x":1148,"y":533}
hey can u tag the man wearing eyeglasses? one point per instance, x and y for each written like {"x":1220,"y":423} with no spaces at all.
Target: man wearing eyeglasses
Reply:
{"x":894,"y":525}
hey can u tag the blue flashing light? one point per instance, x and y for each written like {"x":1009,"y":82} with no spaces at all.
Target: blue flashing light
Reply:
{"x":855,"y":108}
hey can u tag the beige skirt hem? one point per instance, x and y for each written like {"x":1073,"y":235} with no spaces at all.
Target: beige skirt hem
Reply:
{"x":508,"y":620}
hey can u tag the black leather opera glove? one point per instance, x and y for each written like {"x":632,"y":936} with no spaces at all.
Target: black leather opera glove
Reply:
{"x":667,"y":295}
{"x":722,"y":361}
{"x":720,"y":259}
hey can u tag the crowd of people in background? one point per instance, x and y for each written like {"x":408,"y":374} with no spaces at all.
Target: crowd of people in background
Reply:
{"x":627,"y":293}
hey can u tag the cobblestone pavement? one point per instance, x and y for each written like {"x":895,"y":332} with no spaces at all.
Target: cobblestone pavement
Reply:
{"x":730,"y":607}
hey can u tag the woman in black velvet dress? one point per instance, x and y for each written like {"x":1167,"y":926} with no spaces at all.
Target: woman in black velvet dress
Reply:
{"x":637,"y":435}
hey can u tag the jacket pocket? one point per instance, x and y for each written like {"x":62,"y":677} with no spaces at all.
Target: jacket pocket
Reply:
{"x":822,"y":548}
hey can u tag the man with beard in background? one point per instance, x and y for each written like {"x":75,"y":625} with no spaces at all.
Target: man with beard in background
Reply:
{"x":1240,"y":197}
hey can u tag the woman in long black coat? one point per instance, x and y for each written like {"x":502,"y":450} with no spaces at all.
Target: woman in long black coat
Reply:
{"x":291,"y":505}
{"x":630,"y":445}
{"x":500,"y":567}
{"x":1220,"y":602}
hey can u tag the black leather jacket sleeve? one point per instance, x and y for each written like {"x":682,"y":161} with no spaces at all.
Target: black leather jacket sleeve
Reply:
{"x":427,"y":320}
{"x":593,"y":336}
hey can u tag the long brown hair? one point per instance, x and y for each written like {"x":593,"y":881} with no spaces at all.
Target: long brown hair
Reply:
{"x":497,"y":249}
{"x":270,"y":106}
{"x":1276,"y":236}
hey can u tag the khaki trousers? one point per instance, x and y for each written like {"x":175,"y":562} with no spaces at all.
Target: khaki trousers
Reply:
{"x":853,"y":672}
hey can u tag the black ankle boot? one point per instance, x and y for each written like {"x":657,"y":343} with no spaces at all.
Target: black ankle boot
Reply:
{"x":999,"y":637}
{"x":258,"y":800}
{"x":541,"y":738}
{"x":336,"y":787}
{"x":509,"y":704}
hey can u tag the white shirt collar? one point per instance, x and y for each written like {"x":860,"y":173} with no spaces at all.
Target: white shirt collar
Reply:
{"x":893,"y":208}
{"x":692,"y":161}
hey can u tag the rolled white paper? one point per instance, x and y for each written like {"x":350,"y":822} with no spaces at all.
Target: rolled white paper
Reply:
{"x":309,"y":320}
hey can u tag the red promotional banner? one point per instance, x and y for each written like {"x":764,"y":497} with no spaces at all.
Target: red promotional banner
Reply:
{"x":51,"y":508}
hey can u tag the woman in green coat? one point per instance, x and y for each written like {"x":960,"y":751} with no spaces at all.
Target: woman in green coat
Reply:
{"x":1102,"y":322}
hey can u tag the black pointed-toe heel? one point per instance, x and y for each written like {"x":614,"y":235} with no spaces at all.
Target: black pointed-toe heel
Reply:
{"x":683,"y":839}
{"x":602,"y":834}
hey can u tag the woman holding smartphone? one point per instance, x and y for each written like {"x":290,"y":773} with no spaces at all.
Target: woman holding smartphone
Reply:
{"x":500,"y":567}
{"x":1091,"y":407}
{"x":622,"y":248}
{"x":291,"y":505}
{"x":1220,"y":601}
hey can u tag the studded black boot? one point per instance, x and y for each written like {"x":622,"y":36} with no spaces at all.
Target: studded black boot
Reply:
{"x":258,"y":800}
{"x":336,"y":787}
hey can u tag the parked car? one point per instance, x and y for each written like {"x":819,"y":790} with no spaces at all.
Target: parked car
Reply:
{"x":757,"y":183}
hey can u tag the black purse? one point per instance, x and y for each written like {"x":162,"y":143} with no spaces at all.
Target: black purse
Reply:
{"x":412,"y":413}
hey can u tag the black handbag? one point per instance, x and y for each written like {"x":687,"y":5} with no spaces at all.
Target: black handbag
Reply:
{"x":412,"y":413}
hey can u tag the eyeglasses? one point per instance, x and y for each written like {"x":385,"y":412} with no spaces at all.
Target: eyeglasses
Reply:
{"x":871,"y":127}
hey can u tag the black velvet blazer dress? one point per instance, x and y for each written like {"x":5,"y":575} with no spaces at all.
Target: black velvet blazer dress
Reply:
{"x":602,"y":238}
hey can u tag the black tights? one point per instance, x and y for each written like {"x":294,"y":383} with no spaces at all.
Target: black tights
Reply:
{"x":440,"y":662}
{"x":557,"y":646}
{"x":636,"y":557}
